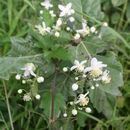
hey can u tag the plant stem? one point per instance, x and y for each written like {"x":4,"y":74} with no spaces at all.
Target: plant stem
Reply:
{"x":53,"y":95}
{"x":86,"y":50}
{"x":8,"y":106}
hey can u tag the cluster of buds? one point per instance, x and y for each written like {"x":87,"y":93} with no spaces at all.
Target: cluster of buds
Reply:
{"x":92,"y":71}
{"x":29,"y":77}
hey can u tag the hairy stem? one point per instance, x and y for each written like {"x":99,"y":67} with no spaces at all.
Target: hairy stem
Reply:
{"x":53,"y":95}
{"x":8,"y":107}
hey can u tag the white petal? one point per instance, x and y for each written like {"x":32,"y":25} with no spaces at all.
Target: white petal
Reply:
{"x":83,"y":62}
{"x":68,"y":6}
{"x":94,"y":61}
{"x":87,"y":69}
{"x":32,"y":73}
{"x":76,"y":62}
{"x":62,"y":14}
{"x":61,"y":7}
{"x":73,"y":67}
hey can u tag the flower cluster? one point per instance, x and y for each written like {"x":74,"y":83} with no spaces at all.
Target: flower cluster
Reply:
{"x":64,"y":20}
{"x":94,"y":72}
{"x":28,"y":76}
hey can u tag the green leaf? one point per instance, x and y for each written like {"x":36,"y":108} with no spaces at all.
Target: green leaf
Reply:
{"x":102,"y":101}
{"x":81,"y":119}
{"x":115,"y":18}
{"x":10,"y":65}
{"x":128,"y":12}
{"x":46,"y":104}
{"x":93,"y":8}
{"x":117,"y":2}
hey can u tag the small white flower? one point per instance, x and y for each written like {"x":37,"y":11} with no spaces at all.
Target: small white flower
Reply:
{"x":26,"y":97}
{"x":18,"y":76}
{"x":40,"y":79}
{"x":92,"y":29}
{"x":57,"y":34}
{"x":79,"y":66}
{"x":77,"y":36}
{"x":59,"y":22}
{"x":65,"y":10}
{"x":88,"y":110}
{"x":52,"y":13}
{"x":105,"y":24}
{"x":72,"y":19}
{"x":83,"y":99}
{"x":76,"y":78}
{"x":65,"y":115}
{"x":23,"y":82}
{"x":95,"y":68}
{"x":85,"y":29}
{"x":65,"y":69}
{"x":84,"y":76}
{"x":105,"y":77}
{"x":29,"y":69}
{"x":74,"y":112}
{"x":20,"y":91}
{"x":68,"y":28}
{"x":92,"y":87}
{"x":46,"y":4}
{"x":100,"y":36}
{"x":41,"y":11}
{"x":74,"y":87}
{"x":37,"y":96}
{"x":43,"y":29}
{"x":97,"y":85}
{"x":71,"y":103}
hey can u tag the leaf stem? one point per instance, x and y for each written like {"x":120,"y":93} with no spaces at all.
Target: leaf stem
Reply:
{"x":8,"y":106}
{"x":86,"y":50}
{"x":53,"y":95}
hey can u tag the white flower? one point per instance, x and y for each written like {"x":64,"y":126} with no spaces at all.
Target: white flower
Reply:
{"x":40,"y":79}
{"x":79,"y":66}
{"x":72,"y":19}
{"x":18,"y":76}
{"x":43,"y":29}
{"x":20,"y":91}
{"x":57,"y":34}
{"x":26,"y":97}
{"x":74,"y":112}
{"x":105,"y":77}
{"x":88,"y":110}
{"x":92,"y":87}
{"x":41,"y":11}
{"x":74,"y":87}
{"x":100,"y":36}
{"x":52,"y":13}
{"x":77,"y":36}
{"x":92,"y":29}
{"x":84,"y":76}
{"x":65,"y":115}
{"x":85,"y":29}
{"x":76,"y":78}
{"x":97,"y":85}
{"x":46,"y":4}
{"x":65,"y":10}
{"x":37,"y":96}
{"x":71,"y":103}
{"x":29,"y":69}
{"x":95,"y":68}
{"x":65,"y":69}
{"x":105,"y":24}
{"x":83,"y":100}
{"x":23,"y":81}
{"x":68,"y":28}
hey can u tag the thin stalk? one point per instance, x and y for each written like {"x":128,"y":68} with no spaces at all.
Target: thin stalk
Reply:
{"x":8,"y":106}
{"x":86,"y":50}
{"x":53,"y":95}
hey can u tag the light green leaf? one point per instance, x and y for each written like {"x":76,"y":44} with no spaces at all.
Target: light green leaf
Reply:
{"x":117,"y":2}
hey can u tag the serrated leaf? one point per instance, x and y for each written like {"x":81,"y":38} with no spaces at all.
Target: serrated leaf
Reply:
{"x":46,"y":104}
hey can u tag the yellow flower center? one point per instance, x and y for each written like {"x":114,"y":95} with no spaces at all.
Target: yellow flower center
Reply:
{"x":96,"y":72}
{"x":106,"y":80}
{"x":84,"y":101}
{"x":42,"y":31}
